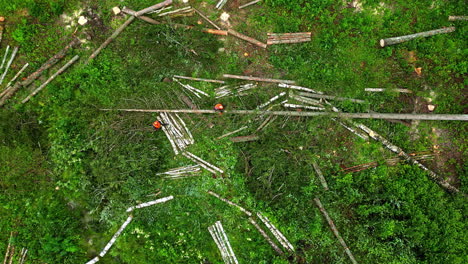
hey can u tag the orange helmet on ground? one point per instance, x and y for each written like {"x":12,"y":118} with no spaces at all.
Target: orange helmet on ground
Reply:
{"x":157,"y":125}
{"x":219,"y":107}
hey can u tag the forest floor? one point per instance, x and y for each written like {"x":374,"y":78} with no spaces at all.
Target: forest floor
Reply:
{"x":69,"y":171}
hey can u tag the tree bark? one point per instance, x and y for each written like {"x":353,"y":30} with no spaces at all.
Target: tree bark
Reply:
{"x":51,"y":78}
{"x":246,"y":38}
{"x":31,"y":78}
{"x":257,"y":79}
{"x":397,"y":40}
{"x":436,"y":117}
{"x":334,"y":229}
{"x":245,"y":138}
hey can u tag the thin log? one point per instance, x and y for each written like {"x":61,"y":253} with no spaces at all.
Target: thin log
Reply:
{"x":12,"y":255}
{"x":218,"y":242}
{"x":407,"y":157}
{"x":305,"y":100}
{"x":13,"y":55}
{"x":14,"y":79}
{"x":111,"y":38}
{"x":384,"y":90}
{"x":249,"y":4}
{"x":279,"y":236}
{"x":266,"y":122}
{"x":246,"y":38}
{"x":220,"y":4}
{"x":142,"y":205}
{"x":294,"y":34}
{"x":352,"y":130}
{"x":171,"y":141}
{"x":182,"y":10}
{"x":206,"y":18}
{"x":93,"y":261}
{"x":330,"y":97}
{"x":198,"y":79}
{"x":1,"y":33}
{"x":215,"y":31}
{"x":232,"y":256}
{"x":233,"y":132}
{"x":288,"y":41}
{"x":303,"y":106}
{"x":153,"y":7}
{"x":5,"y":56}
{"x":245,"y":138}
{"x":205,"y":162}
{"x":116,"y":235}
{"x":192,"y":140}
{"x":320,"y":175}
{"x":23,"y":258}
{"x":274,"y":98}
{"x":300,"y":88}
{"x":203,"y":165}
{"x":435,"y":117}
{"x":31,"y":78}
{"x":457,"y":18}
{"x":267,"y":238}
{"x":397,"y":40}
{"x":8,"y":249}
{"x":51,"y":78}
{"x":257,"y":79}
{"x":335,"y":230}
{"x":230,"y":203}
{"x":191,"y":88}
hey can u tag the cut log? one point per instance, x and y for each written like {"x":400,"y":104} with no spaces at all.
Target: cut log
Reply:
{"x":60,"y":71}
{"x":443,"y":183}
{"x":330,"y":97}
{"x":270,"y":119}
{"x":8,"y":86}
{"x":457,"y":18}
{"x":257,"y":79}
{"x":245,"y":138}
{"x":303,"y":107}
{"x":142,"y":205}
{"x":267,"y":238}
{"x":152,"y":8}
{"x":320,"y":175}
{"x":246,"y":38}
{"x":279,"y":236}
{"x":397,"y":40}
{"x":230,"y":203}
{"x":435,"y":117}
{"x":220,"y":4}
{"x":206,"y":18}
{"x":31,"y":78}
{"x":5,"y":57}
{"x":300,"y":88}
{"x":13,"y":55}
{"x":12,"y":255}
{"x":116,"y":235}
{"x":232,"y":132}
{"x":7,"y":254}
{"x":384,"y":90}
{"x":249,"y":4}
{"x":198,"y":79}
{"x":334,"y":230}
{"x":111,"y":38}
{"x":305,"y":100}
{"x":179,"y":11}
{"x":274,"y":98}
{"x":200,"y":160}
{"x":232,"y":256}
{"x":219,"y":244}
{"x":93,"y":261}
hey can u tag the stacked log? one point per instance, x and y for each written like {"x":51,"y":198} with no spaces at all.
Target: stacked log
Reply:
{"x":176,"y":132}
{"x":287,"y":38}
{"x":219,"y":236}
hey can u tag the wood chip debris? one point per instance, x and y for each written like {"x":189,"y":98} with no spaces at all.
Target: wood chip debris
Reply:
{"x":219,"y":236}
{"x":288,"y":38}
{"x":182,"y":172}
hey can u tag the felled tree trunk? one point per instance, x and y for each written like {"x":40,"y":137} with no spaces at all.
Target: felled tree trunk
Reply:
{"x":245,"y":138}
{"x":246,"y":38}
{"x":396,"y":40}
{"x":258,"y":79}
{"x":455,"y":18}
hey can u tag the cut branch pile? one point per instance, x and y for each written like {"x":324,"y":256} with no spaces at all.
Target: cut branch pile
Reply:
{"x":283,"y":38}
{"x":204,"y":164}
{"x":176,"y":132}
{"x":182,"y":172}
{"x":335,"y":230}
{"x":195,"y":91}
{"x":226,"y":90}
{"x":222,"y":241}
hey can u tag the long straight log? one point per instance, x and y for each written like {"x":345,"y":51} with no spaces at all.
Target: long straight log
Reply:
{"x":330,"y":97}
{"x":335,"y":230}
{"x":267,"y":238}
{"x":300,"y":88}
{"x":279,"y":236}
{"x":13,"y":55}
{"x":249,"y":4}
{"x":274,"y":98}
{"x":232,"y":256}
{"x":232,"y":132}
{"x":244,"y":138}
{"x":93,"y":261}
{"x":383,"y":90}
{"x":142,"y":205}
{"x":397,"y":40}
{"x":116,"y":235}
{"x":152,"y":8}
{"x":198,"y":79}
{"x":5,"y":57}
{"x":257,"y":79}
{"x":8,"y":249}
{"x":204,"y":162}
{"x":218,"y":242}
{"x":288,"y":41}
{"x":230,"y":203}
{"x":320,"y":175}
{"x":407,"y":157}
{"x":12,"y":255}
{"x":111,"y":38}
{"x":51,"y":78}
{"x":31,"y":78}
{"x":436,"y":117}
{"x":246,"y":38}
{"x":14,"y":79}
{"x":206,"y":18}
{"x":304,"y":107}
{"x":203,"y":165}
{"x":294,"y":34}
{"x":457,"y":18}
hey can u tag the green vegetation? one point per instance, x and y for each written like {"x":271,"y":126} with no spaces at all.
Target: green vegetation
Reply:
{"x":69,"y":171}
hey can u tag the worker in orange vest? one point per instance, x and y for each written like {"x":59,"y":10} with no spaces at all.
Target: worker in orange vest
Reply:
{"x":219,"y":108}
{"x":157,"y":125}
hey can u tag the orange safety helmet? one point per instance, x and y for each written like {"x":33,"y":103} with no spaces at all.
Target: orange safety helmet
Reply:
{"x":219,"y":107}
{"x":157,"y":125}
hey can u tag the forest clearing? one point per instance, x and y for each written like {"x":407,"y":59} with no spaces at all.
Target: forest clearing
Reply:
{"x":233,"y":131}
